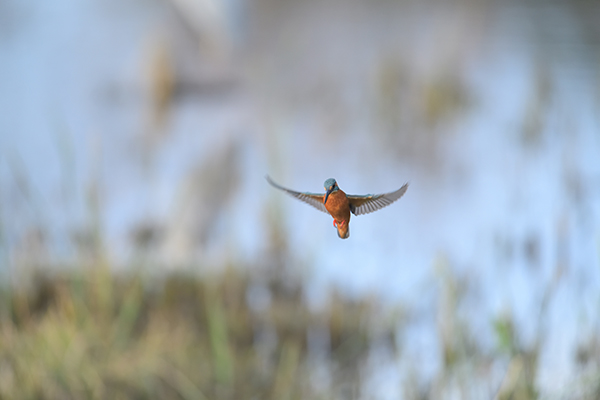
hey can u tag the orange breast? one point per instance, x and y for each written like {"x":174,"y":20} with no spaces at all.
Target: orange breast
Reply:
{"x":338,"y":206}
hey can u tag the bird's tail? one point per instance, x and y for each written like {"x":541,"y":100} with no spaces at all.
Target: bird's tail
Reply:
{"x":343,"y":231}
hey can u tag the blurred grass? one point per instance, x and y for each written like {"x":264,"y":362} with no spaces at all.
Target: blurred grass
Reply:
{"x":101,"y":335}
{"x":105,"y":336}
{"x":93,"y":333}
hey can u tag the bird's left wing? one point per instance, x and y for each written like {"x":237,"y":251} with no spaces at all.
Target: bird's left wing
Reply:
{"x":360,"y":205}
{"x":314,"y":199}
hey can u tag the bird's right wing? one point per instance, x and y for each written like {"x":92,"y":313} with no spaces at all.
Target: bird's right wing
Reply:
{"x":360,"y":205}
{"x":314,"y":199}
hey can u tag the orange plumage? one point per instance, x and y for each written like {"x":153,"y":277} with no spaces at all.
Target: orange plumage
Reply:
{"x":339,"y":208}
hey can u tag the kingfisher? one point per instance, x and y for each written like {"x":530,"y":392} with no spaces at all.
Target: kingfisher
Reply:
{"x":339,"y":205}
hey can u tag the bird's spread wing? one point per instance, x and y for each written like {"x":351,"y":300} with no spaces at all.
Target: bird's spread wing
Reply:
{"x":360,"y":205}
{"x":314,"y":199}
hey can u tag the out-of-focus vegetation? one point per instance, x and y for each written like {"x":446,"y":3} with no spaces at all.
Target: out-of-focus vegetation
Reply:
{"x":99,"y":335}
{"x":236,"y":335}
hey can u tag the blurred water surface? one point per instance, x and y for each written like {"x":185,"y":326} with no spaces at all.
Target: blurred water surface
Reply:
{"x":149,"y":125}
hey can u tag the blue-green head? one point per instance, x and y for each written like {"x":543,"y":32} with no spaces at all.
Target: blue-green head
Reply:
{"x":330,"y":186}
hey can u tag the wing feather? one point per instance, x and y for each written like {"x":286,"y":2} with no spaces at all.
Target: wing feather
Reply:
{"x":314,"y":199}
{"x":369,"y":203}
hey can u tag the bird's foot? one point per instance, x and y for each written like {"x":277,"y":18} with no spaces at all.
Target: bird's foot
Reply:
{"x":335,"y":223}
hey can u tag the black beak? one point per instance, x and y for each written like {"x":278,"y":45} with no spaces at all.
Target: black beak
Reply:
{"x":327,"y":194}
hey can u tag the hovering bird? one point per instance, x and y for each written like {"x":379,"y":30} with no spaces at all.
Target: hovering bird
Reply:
{"x":339,"y":205}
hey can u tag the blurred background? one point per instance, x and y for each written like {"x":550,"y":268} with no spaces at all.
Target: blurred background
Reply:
{"x":142,"y":253}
